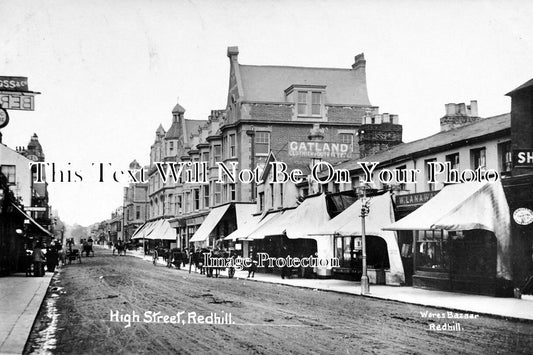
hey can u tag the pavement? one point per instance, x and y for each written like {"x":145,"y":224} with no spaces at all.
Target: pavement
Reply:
{"x":20,"y":300}
{"x":511,"y":308}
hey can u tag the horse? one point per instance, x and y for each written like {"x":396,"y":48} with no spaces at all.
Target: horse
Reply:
{"x":121,"y":249}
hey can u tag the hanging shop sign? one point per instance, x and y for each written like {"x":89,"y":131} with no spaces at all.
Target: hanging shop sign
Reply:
{"x":523,"y":216}
{"x":4,"y":118}
{"x":13,"y":83}
{"x":322,"y":150}
{"x":17,"y":101}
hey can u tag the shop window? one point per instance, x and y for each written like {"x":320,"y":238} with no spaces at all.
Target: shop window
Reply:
{"x":432,"y":250}
{"x":505,"y":157}
{"x":346,"y":249}
{"x":478,"y":158}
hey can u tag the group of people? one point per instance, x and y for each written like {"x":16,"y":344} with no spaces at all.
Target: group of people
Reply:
{"x":44,"y":255}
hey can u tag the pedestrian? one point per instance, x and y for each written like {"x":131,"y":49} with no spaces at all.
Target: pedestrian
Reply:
{"x":38,"y":260}
{"x":52,"y":258}
{"x":253,"y":267}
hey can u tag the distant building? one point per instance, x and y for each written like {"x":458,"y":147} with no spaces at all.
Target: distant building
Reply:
{"x":135,"y":204}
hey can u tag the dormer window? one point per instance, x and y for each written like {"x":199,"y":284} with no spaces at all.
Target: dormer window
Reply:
{"x":309,"y":101}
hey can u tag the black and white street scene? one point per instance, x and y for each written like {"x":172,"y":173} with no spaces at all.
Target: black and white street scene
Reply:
{"x":266,"y":177}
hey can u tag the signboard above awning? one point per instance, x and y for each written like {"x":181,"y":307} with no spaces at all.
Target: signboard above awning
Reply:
{"x":323,"y":150}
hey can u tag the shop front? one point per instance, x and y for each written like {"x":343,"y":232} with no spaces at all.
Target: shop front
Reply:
{"x":461,"y":240}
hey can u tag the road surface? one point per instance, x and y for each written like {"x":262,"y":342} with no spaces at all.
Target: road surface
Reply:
{"x":109,"y":305}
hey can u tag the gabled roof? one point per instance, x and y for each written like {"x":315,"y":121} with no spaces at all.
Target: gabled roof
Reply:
{"x":268,"y":83}
{"x":527,"y":85}
{"x":192,"y":126}
{"x":472,"y":131}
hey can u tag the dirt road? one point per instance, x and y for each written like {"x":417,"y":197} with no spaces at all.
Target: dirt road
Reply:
{"x":88,"y":311}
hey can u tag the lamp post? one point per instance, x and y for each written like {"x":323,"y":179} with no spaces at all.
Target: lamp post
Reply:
{"x":365,"y":287}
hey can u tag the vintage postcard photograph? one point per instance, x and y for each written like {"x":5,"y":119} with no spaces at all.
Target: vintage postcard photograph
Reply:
{"x":266,"y":177}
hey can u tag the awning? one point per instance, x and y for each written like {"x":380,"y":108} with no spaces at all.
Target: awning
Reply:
{"x":246,"y":221}
{"x":464,"y":207}
{"x":272,"y":224}
{"x":310,"y":215}
{"x":33,"y":221}
{"x":138,"y":230}
{"x":162,"y":230}
{"x":209,"y":223}
{"x":381,"y":214}
{"x":144,"y":230}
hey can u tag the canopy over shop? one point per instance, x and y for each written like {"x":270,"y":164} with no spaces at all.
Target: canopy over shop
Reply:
{"x":461,"y":238}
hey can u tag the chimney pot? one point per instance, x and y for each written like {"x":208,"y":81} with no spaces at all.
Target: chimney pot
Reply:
{"x":233,"y":51}
{"x":359,"y":61}
{"x":386,"y":118}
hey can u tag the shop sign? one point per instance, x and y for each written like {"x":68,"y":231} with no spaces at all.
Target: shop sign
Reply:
{"x":321,"y":150}
{"x":523,"y":216}
{"x":15,"y":101}
{"x":415,"y":199}
{"x":523,"y":158}
{"x":13,"y":83}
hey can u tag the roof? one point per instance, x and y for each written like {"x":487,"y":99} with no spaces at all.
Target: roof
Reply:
{"x":268,"y":83}
{"x":178,"y":109}
{"x":442,"y":139}
{"x":160,"y":129}
{"x":527,"y":85}
{"x":192,"y":126}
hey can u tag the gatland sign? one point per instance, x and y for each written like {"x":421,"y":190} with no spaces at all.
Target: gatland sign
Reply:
{"x":320,"y":150}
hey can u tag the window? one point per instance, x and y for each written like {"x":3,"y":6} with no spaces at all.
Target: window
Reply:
{"x":306,"y":109}
{"x":402,"y":168}
{"x":316,"y":104}
{"x":505,"y":156}
{"x":206,"y":196}
{"x":232,"y":192}
{"x":196,"y":199}
{"x":128,"y":215}
{"x":179,"y":204}
{"x":187,"y":202}
{"x":9,"y":173}
{"x":432,"y":250}
{"x":138,"y":212}
{"x":302,"y":103}
{"x":225,"y":150}
{"x":170,"y":204}
{"x":171,"y":147}
{"x":262,"y":143}
{"x":478,"y":158}
{"x":205,"y":157}
{"x":232,"y":151}
{"x":281,"y":195}
{"x":218,"y":193}
{"x":346,"y":138}
{"x":272,"y":195}
{"x":453,"y":159}
{"x":261,"y":201}
{"x":217,"y":153}
{"x":431,"y":186}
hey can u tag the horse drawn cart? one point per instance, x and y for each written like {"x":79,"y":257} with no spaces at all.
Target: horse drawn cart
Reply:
{"x":73,"y":255}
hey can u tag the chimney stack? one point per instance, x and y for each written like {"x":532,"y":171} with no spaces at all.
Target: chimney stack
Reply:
{"x":359,"y":62}
{"x":458,"y":115}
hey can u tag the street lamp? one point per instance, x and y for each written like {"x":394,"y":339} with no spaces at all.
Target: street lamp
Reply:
{"x":365,"y":210}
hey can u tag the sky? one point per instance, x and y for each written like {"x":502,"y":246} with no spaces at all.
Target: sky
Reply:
{"x":111,"y":71}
